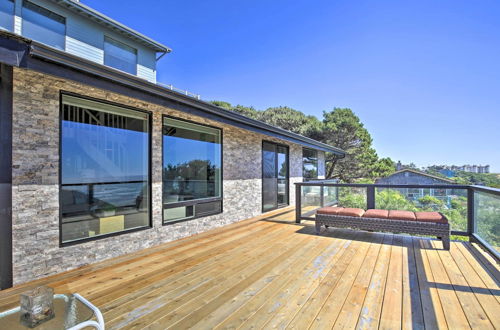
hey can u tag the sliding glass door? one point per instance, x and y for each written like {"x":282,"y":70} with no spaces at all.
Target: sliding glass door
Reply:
{"x":275,"y":176}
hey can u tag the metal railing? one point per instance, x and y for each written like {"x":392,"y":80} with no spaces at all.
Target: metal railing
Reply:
{"x":473,"y":211}
{"x":180,"y":91}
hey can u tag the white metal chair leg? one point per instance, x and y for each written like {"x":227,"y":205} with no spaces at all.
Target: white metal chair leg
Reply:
{"x":99,"y":325}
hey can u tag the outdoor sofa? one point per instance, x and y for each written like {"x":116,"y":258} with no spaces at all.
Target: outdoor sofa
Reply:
{"x":416,"y":223}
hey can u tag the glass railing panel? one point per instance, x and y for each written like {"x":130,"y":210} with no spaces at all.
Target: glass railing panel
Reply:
{"x":451,"y":202}
{"x":352,"y":197}
{"x":487,"y":218}
{"x":330,"y":196}
{"x":310,"y":199}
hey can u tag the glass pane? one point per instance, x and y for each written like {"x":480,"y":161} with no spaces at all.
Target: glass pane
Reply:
{"x":352,"y":197}
{"x":310,"y":163}
{"x":451,"y":202}
{"x":43,"y":25}
{"x":310,"y":198}
{"x":7,"y":15}
{"x":192,"y":161}
{"x":269,"y":177}
{"x":282,"y":174}
{"x":487,"y":218}
{"x":105,"y":169}
{"x":178,"y":213}
{"x":120,"y":56}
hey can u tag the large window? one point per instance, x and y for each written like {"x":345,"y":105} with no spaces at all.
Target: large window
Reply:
{"x":105,"y":185}
{"x":7,"y":15}
{"x":192,"y":159}
{"x":120,"y":56}
{"x":42,"y":25}
{"x":310,"y":163}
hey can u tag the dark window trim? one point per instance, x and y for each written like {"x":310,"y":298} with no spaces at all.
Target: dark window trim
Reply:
{"x":150,"y":168}
{"x":317,"y":162}
{"x":278,"y":206}
{"x":193,"y":201}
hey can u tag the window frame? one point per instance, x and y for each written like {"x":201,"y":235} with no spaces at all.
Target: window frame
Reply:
{"x":194,"y":201}
{"x":150,"y":168}
{"x":124,"y":44}
{"x":317,"y":163}
{"x":43,"y":9}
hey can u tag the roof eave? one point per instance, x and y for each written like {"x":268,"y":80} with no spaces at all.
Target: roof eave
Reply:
{"x":80,"y":8}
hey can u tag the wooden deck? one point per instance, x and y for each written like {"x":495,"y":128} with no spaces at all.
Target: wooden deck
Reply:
{"x":270,"y":272}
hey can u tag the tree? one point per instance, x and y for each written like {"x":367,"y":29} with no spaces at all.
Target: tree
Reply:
{"x":382,"y":167}
{"x":293,"y":120}
{"x":249,"y":112}
{"x":343,"y":129}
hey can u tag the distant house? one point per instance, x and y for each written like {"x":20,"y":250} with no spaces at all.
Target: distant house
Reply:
{"x":414,"y":177}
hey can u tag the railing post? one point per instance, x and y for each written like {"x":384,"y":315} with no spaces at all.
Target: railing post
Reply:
{"x":322,"y":196}
{"x":298,"y":202}
{"x":370,"y":197}
{"x":471,"y":223}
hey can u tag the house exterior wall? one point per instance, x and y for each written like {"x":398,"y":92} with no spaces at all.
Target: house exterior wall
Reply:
{"x":35,"y":188}
{"x":85,"y":38}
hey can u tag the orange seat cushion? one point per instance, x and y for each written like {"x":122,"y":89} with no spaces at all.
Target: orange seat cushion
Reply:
{"x":375,"y":213}
{"x":329,"y":210}
{"x":430,"y":217}
{"x":351,"y":212}
{"x":402,"y":215}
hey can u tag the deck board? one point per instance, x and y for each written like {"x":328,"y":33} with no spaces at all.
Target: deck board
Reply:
{"x":268,"y":272}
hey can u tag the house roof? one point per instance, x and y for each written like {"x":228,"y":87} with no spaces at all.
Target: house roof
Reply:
{"x":22,"y":52}
{"x":421,"y":173}
{"x":85,"y":11}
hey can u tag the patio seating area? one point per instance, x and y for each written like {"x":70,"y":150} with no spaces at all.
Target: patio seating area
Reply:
{"x":269,"y":271}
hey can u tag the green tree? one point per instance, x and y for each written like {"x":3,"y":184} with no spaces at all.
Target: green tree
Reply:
{"x":293,"y":120}
{"x":343,"y":129}
{"x":391,"y":199}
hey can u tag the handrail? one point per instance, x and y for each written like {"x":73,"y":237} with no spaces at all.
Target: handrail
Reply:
{"x":180,"y":91}
{"x":471,"y":230}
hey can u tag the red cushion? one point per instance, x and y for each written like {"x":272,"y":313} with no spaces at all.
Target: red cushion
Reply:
{"x":375,"y":213}
{"x":402,"y":215}
{"x":329,"y":210}
{"x":430,"y":217}
{"x":351,"y":212}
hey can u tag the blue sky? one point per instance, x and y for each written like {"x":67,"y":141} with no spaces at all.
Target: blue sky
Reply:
{"x":423,"y":76}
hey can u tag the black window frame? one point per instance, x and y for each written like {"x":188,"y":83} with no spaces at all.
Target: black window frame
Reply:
{"x":193,"y":202}
{"x":150,"y":168}
{"x":317,"y":164}
{"x":278,"y":206}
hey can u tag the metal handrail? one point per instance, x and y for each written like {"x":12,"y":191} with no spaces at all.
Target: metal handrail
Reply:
{"x":471,"y":231}
{"x":180,"y":91}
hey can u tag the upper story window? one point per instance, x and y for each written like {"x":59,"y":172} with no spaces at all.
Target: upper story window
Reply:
{"x":310,"y":163}
{"x":7,"y":15}
{"x":43,"y":25}
{"x":120,"y":56}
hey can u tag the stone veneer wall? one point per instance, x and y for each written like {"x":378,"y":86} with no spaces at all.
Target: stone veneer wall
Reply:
{"x":321,"y":165}
{"x":35,"y":191}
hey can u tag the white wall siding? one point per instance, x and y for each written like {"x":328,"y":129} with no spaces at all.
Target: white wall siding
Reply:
{"x":18,"y":24}
{"x":146,"y":73}
{"x":86,"y":51}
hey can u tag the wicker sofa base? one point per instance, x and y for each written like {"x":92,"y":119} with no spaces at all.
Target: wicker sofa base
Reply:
{"x":440,"y":230}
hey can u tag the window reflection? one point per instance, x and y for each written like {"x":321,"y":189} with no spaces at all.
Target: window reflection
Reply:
{"x":191,"y":168}
{"x":7,"y":15}
{"x":104,"y":169}
{"x":310,"y":163}
{"x":42,"y":25}
{"x":120,"y":56}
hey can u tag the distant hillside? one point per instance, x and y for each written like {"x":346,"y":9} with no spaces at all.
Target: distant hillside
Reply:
{"x":486,"y":179}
